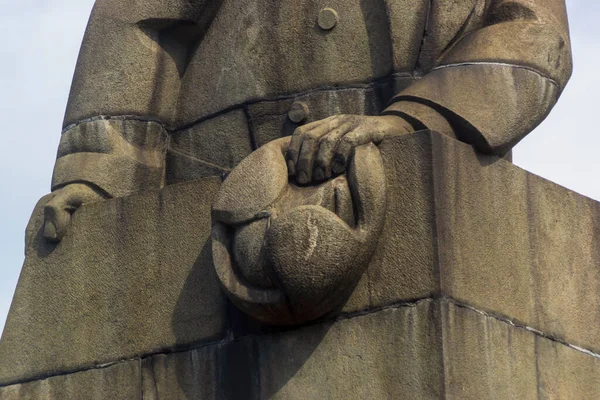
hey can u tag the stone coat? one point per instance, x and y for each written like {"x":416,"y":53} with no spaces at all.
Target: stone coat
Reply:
{"x":172,"y":90}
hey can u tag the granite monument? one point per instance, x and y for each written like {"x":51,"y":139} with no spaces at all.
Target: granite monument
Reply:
{"x":308,"y":199}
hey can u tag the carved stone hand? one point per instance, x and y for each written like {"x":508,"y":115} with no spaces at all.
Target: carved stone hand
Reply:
{"x":61,"y":207}
{"x":323,"y":148}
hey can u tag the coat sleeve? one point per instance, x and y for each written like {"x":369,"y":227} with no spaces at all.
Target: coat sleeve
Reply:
{"x":496,"y":80}
{"x":124,"y":93}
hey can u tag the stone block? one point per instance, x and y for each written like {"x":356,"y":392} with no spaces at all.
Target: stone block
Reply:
{"x":226,"y":370}
{"x":389,"y":354}
{"x":516,"y":245}
{"x":485,"y":358}
{"x":469,"y":228}
{"x":394,"y":353}
{"x":120,"y":284}
{"x":489,"y":358}
{"x":404,"y":264}
{"x":483,"y":228}
{"x":566,"y":261}
{"x":430,"y":349}
{"x":119,"y":381}
{"x":480,"y":230}
{"x":566,"y":373}
{"x":173,"y":376}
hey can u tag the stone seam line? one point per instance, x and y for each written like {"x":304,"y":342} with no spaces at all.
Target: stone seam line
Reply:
{"x":344,"y":317}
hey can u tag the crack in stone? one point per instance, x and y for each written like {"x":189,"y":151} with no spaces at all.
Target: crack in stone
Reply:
{"x":518,"y":325}
{"x":346,"y":316}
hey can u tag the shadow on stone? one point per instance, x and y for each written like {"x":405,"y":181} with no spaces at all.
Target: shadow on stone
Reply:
{"x":236,"y":366}
{"x":193,"y":299}
{"x":43,"y":248}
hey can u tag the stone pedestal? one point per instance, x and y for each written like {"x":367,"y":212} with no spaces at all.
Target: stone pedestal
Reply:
{"x":485,"y":285}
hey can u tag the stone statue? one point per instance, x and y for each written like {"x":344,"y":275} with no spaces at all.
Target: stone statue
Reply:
{"x":325,"y":211}
{"x":167,"y":91}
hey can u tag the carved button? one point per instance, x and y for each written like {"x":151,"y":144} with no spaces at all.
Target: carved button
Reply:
{"x":328,"y":19}
{"x":298,"y":112}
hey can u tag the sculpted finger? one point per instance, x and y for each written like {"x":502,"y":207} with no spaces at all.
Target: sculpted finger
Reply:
{"x":58,"y":211}
{"x":310,"y":146}
{"x":293,"y":152}
{"x":307,"y":155}
{"x":57,"y":217}
{"x":327,"y":146}
{"x":296,"y":144}
{"x":358,"y":137}
{"x":308,"y":152}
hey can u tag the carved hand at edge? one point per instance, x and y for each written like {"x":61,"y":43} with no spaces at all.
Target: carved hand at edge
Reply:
{"x":322,"y":149}
{"x":66,"y":200}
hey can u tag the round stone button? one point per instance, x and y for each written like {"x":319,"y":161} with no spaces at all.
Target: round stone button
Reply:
{"x":328,"y":19}
{"x":298,"y":112}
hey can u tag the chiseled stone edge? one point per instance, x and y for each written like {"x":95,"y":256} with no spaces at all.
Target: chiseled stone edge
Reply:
{"x":518,"y":325}
{"x":343,"y":317}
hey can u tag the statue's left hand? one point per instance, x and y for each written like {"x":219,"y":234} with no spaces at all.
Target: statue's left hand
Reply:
{"x":323,"y":148}
{"x":58,"y":211}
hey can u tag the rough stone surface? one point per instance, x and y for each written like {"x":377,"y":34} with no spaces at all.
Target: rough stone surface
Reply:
{"x":272,"y":48}
{"x":390,"y":354}
{"x":178,"y":90}
{"x":270,"y":120}
{"x":120,"y":284}
{"x":486,"y":72}
{"x":172,"y":376}
{"x":430,"y":349}
{"x":98,"y":150}
{"x":223,"y":371}
{"x":122,"y":69}
{"x":222,"y":141}
{"x":516,"y":244}
{"x":287,"y":254}
{"x":474,"y":228}
{"x":404,"y":264}
{"x":485,"y":358}
{"x":119,"y":381}
{"x":487,"y":233}
{"x":565,"y":373}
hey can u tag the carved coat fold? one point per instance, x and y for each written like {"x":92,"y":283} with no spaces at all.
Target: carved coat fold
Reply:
{"x":484,"y":71}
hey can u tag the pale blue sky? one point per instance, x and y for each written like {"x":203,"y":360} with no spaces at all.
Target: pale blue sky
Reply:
{"x":41,"y":39}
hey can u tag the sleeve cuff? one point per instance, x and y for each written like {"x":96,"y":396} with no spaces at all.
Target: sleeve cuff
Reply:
{"x":116,"y":175}
{"x":421,"y":117}
{"x":491,"y":106}
{"x":118,"y":156}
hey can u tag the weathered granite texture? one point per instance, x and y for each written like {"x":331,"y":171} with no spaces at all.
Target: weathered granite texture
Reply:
{"x":430,"y":349}
{"x":221,"y":77}
{"x":484,"y":274}
{"x":119,"y":285}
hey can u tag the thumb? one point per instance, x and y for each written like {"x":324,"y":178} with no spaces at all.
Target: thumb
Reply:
{"x":366,"y":177}
{"x":58,"y":211}
{"x":57,"y":216}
